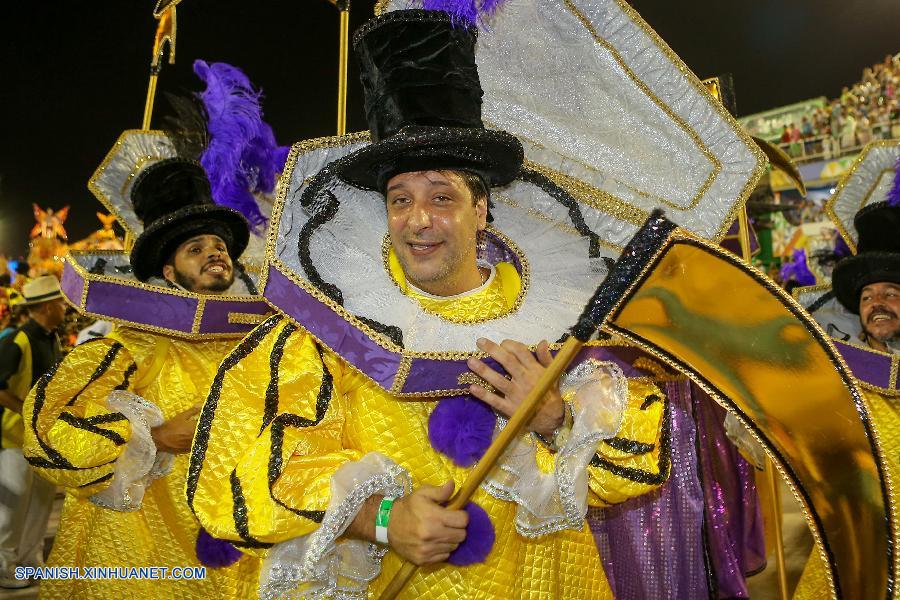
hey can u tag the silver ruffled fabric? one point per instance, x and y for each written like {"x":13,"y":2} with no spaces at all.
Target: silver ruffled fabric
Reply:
{"x":320,"y":564}
{"x":139,"y":463}
{"x":550,"y":502}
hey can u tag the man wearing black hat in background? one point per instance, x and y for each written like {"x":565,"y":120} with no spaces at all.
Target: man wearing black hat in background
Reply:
{"x":25,"y":500}
{"x":113,"y":422}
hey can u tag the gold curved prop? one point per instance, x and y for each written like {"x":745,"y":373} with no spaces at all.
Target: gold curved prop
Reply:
{"x":780,"y":160}
{"x":704,"y":311}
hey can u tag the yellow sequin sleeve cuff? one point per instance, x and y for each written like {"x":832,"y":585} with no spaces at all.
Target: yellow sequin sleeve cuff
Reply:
{"x":72,"y":438}
{"x":269,"y":439}
{"x":636,"y":460}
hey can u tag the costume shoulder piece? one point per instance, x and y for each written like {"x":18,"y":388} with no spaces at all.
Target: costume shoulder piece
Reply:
{"x":582,"y":192}
{"x":102,"y":284}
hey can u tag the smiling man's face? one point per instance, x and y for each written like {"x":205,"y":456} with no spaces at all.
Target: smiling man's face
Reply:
{"x":879,"y":311}
{"x":201,"y":265}
{"x":433,"y":221}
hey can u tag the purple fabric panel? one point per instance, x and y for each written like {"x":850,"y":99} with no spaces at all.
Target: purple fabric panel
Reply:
{"x":141,"y":306}
{"x":866,"y":366}
{"x":495,"y":251}
{"x":734,"y":525}
{"x":215,"y":315}
{"x":72,"y":284}
{"x":733,"y":245}
{"x":349,"y":342}
{"x":652,"y":546}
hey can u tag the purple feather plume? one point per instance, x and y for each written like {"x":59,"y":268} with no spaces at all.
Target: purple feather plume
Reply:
{"x":893,"y":196}
{"x":479,"y":538}
{"x":797,"y":269}
{"x":215,"y":553}
{"x":462,"y":427}
{"x":841,"y":249}
{"x":243,"y":157}
{"x":472,"y":12}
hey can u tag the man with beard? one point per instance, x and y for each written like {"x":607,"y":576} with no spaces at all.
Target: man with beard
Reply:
{"x":113,"y":422}
{"x":879,"y":309}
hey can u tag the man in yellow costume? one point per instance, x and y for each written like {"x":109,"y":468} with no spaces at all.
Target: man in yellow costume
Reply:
{"x":113,"y":422}
{"x":320,"y":450}
{"x":867,"y":288}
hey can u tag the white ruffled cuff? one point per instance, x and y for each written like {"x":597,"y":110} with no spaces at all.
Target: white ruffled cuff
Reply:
{"x":554,"y":501}
{"x":139,"y":463}
{"x":322,"y":562}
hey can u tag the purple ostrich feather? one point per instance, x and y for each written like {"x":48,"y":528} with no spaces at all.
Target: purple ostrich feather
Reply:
{"x":893,"y":196}
{"x":841,"y":249}
{"x":243,"y":157}
{"x":215,"y":553}
{"x":797,"y":269}
{"x":472,"y":12}
{"x":462,"y":427}
{"x":479,"y":538}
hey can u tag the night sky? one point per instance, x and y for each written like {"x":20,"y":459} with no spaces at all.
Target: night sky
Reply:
{"x":75,"y":73}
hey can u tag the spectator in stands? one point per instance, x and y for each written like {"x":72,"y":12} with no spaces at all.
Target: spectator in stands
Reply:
{"x":785,"y":135}
{"x":806,"y":128}
{"x":848,"y":131}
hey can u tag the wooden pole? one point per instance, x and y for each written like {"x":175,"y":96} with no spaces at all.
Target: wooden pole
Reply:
{"x":517,"y":423}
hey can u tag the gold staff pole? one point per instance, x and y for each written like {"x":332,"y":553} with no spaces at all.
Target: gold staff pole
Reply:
{"x":164,"y":12}
{"x":771,"y":477}
{"x":343,"y":7}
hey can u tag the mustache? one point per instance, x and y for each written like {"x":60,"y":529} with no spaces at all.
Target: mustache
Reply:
{"x":881,"y":310}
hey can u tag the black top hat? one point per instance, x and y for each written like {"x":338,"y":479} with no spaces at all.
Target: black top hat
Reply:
{"x":878,"y":254}
{"x":172,"y":198}
{"x":423,"y":103}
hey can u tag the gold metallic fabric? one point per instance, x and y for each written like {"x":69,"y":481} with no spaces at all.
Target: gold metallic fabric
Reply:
{"x":73,"y":426}
{"x":287,"y":414}
{"x":770,"y":365}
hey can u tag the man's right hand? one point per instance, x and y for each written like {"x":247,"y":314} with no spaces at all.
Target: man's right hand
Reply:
{"x":176,"y":434}
{"x":423,"y":531}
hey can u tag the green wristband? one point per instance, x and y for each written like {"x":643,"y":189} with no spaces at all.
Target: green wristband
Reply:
{"x":382,"y":517}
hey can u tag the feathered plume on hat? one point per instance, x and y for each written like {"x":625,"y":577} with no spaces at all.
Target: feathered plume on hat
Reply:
{"x":893,"y":196}
{"x":473,"y":12}
{"x":797,"y":270}
{"x":242,"y":157}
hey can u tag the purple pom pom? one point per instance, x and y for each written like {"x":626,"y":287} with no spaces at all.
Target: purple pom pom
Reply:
{"x":479,"y":538}
{"x":893,"y":196}
{"x":215,"y":553}
{"x":470,"y":12}
{"x":462,"y":427}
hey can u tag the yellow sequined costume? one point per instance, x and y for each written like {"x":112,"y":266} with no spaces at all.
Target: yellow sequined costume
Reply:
{"x":285,"y":414}
{"x":74,"y":440}
{"x":885,"y":413}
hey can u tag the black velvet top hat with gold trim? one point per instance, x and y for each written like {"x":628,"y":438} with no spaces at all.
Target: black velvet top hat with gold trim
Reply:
{"x":423,"y":103}
{"x":173,"y":200}
{"x":878,"y":254}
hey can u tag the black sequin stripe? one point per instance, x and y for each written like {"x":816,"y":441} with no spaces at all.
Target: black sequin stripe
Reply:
{"x":391,"y":332}
{"x":99,"y":371}
{"x":323,"y":401}
{"x":250,"y":544}
{"x":106,"y":477}
{"x":40,"y":397}
{"x":650,"y":400}
{"x":126,"y":380}
{"x":629,"y":446}
{"x":239,"y":512}
{"x":43,"y":463}
{"x":640,"y":475}
{"x":820,"y":301}
{"x":324,"y":212}
{"x":79,"y":423}
{"x":564,"y":198}
{"x":109,"y":418}
{"x":204,"y":423}
{"x":271,"y":401}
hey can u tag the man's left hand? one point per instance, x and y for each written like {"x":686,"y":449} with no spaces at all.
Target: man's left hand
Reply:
{"x":524,"y":371}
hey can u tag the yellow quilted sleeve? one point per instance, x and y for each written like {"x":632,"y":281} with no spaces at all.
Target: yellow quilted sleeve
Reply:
{"x":71,"y":438}
{"x":269,"y":439}
{"x":636,"y":460}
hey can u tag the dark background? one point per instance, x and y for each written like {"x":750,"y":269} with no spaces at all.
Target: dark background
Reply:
{"x":75,"y":73}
